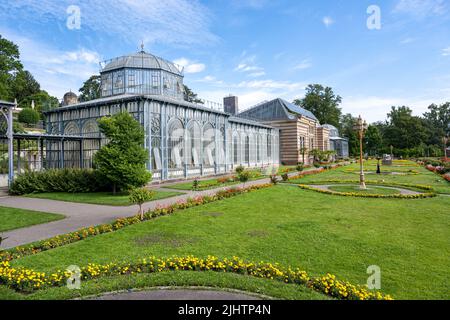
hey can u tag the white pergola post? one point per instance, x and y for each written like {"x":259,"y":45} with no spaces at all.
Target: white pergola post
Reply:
{"x":6,"y":109}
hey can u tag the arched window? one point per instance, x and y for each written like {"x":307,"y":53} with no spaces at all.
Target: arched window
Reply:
{"x":247,"y":150}
{"x":176,"y":144}
{"x":209,"y":145}
{"x":193,"y":144}
{"x":258,"y":148}
{"x":71,"y":129}
{"x":269,"y":147}
{"x":90,"y":129}
{"x":235,"y":148}
{"x":221,"y":146}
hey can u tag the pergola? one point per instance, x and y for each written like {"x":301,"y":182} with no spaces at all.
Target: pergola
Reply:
{"x":6,"y":109}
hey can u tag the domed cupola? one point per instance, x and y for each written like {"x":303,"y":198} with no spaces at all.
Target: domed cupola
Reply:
{"x":142,"y":73}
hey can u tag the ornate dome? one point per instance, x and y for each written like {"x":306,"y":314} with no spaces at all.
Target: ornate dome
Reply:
{"x":70,"y":98}
{"x":142,"y":60}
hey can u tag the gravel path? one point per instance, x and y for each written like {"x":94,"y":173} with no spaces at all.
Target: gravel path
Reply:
{"x":177,"y":294}
{"x":402,"y":191}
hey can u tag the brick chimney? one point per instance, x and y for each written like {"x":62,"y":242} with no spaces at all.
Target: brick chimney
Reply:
{"x":231,"y":105}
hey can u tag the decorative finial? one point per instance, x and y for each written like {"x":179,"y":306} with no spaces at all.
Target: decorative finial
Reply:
{"x":142,"y":47}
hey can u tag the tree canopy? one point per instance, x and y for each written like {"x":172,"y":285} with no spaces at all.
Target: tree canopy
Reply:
{"x":323,"y":103}
{"x":122,"y":161}
{"x":17,"y":83}
{"x":190,"y":96}
{"x":90,"y":89}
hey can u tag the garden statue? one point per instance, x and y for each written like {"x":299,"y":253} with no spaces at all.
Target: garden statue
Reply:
{"x":378,"y":165}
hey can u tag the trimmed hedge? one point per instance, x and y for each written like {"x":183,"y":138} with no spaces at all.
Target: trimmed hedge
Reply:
{"x":58,"y":180}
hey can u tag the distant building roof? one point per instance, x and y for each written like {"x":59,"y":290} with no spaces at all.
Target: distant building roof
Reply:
{"x":277,"y":109}
{"x":297,"y":109}
{"x":334,"y":132}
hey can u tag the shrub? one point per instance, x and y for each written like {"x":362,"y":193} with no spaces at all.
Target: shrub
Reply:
{"x":58,"y":180}
{"x":28,"y":116}
{"x":244,"y":176}
{"x":139,"y":196}
{"x":316,"y":164}
{"x":239,"y":169}
{"x":122,"y":161}
{"x":285,"y":177}
{"x":299,"y":166}
{"x":195,"y":185}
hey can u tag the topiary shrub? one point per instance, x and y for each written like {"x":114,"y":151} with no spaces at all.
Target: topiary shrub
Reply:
{"x":28,"y":116}
{"x":239,"y":169}
{"x":299,"y":167}
{"x":139,"y":196}
{"x":285,"y":177}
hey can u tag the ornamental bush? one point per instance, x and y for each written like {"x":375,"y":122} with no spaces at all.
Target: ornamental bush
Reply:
{"x":58,"y":180}
{"x":122,"y":162}
{"x":28,"y":116}
{"x":139,"y":196}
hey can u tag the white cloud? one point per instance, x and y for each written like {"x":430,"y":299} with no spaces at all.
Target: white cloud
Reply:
{"x":327,"y":21}
{"x":57,"y":71}
{"x":446,"y":52}
{"x":407,"y":41}
{"x":374,"y":108}
{"x":182,"y":22}
{"x":272,"y":84}
{"x":421,"y":8}
{"x":190,"y":66}
{"x":257,"y":74}
{"x":305,"y":64}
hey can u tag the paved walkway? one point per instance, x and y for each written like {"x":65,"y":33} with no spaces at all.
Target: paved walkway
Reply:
{"x":81,"y":215}
{"x":178,"y":294}
{"x":402,"y":191}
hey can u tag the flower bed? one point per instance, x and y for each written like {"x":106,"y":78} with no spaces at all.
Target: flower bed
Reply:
{"x":84,"y":233}
{"x":27,"y":280}
{"x":316,"y":171}
{"x":429,"y":192}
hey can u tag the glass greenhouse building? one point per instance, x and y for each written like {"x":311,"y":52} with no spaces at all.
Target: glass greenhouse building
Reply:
{"x":184,"y":140}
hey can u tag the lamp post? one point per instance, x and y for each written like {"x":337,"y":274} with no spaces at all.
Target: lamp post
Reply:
{"x":361,"y":127}
{"x":445,"y":141}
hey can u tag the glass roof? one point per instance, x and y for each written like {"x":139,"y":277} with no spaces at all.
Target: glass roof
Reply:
{"x":142,"y":60}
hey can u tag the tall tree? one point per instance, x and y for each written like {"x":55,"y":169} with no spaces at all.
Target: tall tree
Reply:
{"x":121,"y":162}
{"x":42,"y":102}
{"x":9,"y":66}
{"x":190,"y":96}
{"x":347,"y":123}
{"x":23,"y":85}
{"x":91,"y":89}
{"x":404,"y":131}
{"x":373,"y":141}
{"x":323,"y":103}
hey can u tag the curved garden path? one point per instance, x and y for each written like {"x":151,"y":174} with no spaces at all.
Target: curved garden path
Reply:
{"x":327,"y":188}
{"x":166,"y":293}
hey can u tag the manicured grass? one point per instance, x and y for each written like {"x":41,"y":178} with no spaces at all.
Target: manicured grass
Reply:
{"x":273,"y":289}
{"x":207,"y":184}
{"x":369,"y":190}
{"x":425,"y":177}
{"x":102,"y":198}
{"x":11,"y":218}
{"x":407,"y":239}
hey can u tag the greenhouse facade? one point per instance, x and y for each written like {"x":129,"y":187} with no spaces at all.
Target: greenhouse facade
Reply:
{"x":183,"y":139}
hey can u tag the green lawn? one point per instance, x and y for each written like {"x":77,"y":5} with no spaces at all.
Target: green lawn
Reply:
{"x":424,"y":177}
{"x":102,"y":198}
{"x":207,"y":184}
{"x":11,"y":218}
{"x":369,"y":190}
{"x":408,"y":239}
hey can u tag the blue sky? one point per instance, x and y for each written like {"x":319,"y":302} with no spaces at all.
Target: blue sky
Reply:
{"x":256,"y":49}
